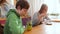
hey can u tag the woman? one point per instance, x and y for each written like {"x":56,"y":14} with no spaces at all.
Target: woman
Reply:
{"x":5,"y":7}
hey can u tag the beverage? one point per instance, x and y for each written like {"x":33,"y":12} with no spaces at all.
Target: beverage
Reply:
{"x":29,"y":25}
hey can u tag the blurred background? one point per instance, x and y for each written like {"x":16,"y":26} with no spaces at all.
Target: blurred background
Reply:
{"x":53,"y":7}
{"x":35,"y":5}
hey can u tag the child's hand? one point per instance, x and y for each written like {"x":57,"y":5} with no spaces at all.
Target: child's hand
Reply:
{"x":43,"y":14}
{"x":40,"y":17}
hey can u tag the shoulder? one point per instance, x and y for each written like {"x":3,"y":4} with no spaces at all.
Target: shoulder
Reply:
{"x":12,"y":17}
{"x":10,"y":6}
{"x":11,"y":13}
{"x":35,"y":14}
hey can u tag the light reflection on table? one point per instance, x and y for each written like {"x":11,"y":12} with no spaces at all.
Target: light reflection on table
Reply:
{"x":46,"y":29}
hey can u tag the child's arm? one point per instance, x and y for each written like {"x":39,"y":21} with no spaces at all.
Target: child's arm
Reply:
{"x":35,"y":19}
{"x":46,"y":17}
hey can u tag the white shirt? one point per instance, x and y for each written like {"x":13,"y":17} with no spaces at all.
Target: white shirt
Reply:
{"x":5,"y":8}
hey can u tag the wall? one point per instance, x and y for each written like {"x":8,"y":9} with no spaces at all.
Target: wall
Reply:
{"x":34,"y":6}
{"x":10,"y":2}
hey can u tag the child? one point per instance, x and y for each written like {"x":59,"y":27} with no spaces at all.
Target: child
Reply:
{"x":39,"y":17}
{"x":14,"y":22}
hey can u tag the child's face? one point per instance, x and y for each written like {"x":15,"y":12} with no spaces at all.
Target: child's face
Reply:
{"x":45,"y":10}
{"x":21,"y":12}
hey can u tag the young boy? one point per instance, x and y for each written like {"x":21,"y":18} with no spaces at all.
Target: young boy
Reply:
{"x":39,"y":17}
{"x":14,"y":23}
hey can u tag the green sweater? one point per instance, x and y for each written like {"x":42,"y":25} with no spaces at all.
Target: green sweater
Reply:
{"x":13,"y":23}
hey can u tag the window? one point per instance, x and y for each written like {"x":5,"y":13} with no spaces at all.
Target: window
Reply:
{"x":53,"y":8}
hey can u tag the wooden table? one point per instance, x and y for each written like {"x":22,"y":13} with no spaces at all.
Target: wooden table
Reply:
{"x":45,"y":29}
{"x":36,"y":30}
